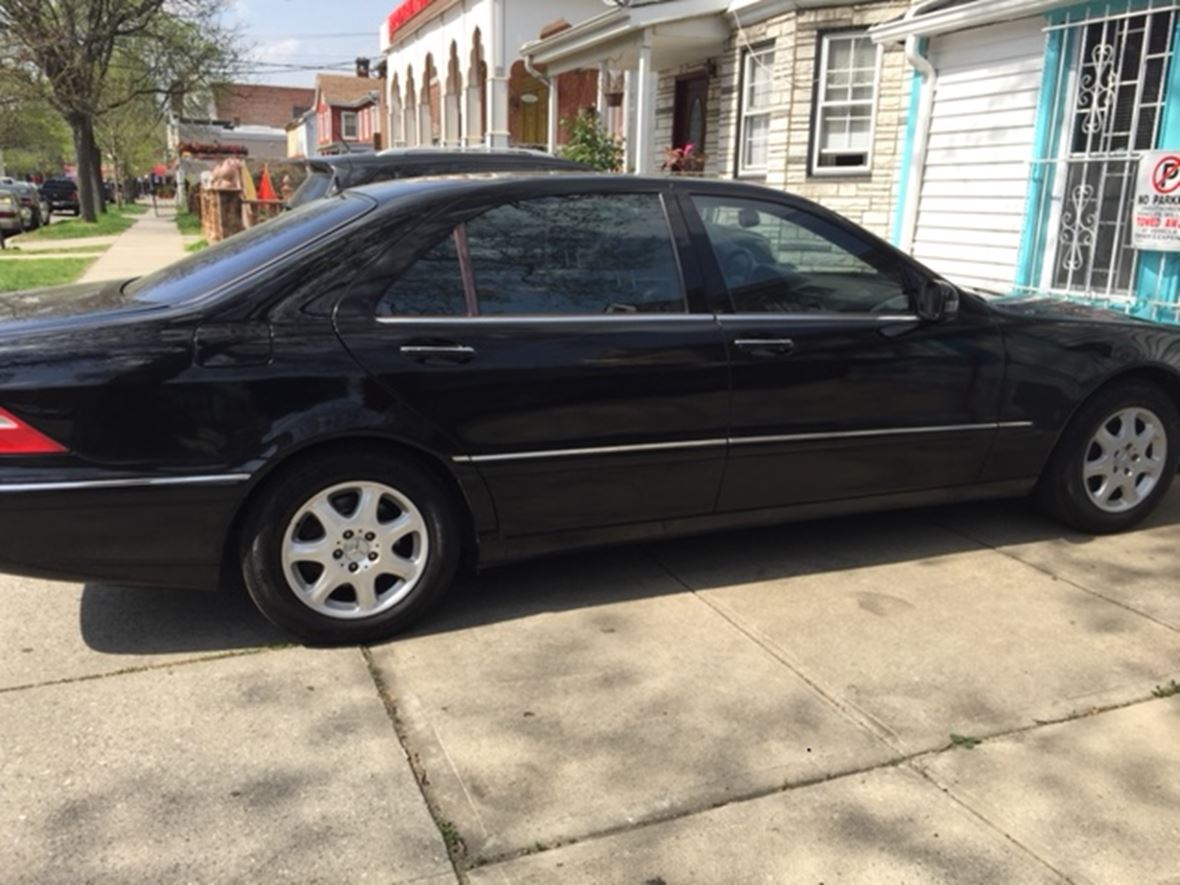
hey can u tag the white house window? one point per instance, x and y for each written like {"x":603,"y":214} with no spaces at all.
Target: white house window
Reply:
{"x":348,"y":124}
{"x":846,"y":99}
{"x":757,"y":79}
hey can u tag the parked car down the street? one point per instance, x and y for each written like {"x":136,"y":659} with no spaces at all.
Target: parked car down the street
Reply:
{"x":34,"y":211}
{"x":62,"y":194}
{"x":346,"y":404}
{"x":327,"y":176}
{"x":11,"y":214}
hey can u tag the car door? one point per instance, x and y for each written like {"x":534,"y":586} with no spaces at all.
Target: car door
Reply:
{"x":839,"y":389}
{"x":548,"y":336}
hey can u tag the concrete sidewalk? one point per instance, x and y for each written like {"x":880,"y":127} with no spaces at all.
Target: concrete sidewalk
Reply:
{"x":762,"y":706}
{"x":151,"y":243}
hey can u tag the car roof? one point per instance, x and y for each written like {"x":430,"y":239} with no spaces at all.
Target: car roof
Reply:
{"x":603,"y":182}
{"x":408,"y":158}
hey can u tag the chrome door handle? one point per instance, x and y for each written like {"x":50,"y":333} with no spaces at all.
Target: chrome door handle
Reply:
{"x":455,"y":353}
{"x":437,"y":349}
{"x":765,"y":346}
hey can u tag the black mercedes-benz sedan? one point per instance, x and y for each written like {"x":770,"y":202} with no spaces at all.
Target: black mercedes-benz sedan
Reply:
{"x":346,"y":403}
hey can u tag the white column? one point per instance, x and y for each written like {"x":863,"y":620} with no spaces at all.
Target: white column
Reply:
{"x":628,"y":124}
{"x":645,"y":108}
{"x":425,"y":130}
{"x":498,"y":135}
{"x":411,"y":126}
{"x":600,"y":100}
{"x":552,"y":121}
{"x":498,"y":64}
{"x":451,"y":134}
{"x":474,"y":116}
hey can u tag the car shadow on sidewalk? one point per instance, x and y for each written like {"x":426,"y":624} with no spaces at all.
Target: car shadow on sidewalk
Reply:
{"x":127,"y":620}
{"x":603,"y":577}
{"x":146,"y":621}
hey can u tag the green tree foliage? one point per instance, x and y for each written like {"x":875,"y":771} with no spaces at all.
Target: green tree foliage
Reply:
{"x":590,"y":144}
{"x":71,"y":53}
{"x":33,"y":137}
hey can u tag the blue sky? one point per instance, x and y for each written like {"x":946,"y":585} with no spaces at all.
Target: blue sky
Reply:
{"x":306,"y":32}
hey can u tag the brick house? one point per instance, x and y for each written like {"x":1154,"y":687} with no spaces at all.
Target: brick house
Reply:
{"x":346,"y":113}
{"x":231,"y":120}
{"x":235,"y":119}
{"x":249,"y":104}
{"x":792,"y":95}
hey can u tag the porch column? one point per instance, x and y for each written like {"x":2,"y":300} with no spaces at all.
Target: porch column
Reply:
{"x":628,"y":124}
{"x":645,"y":108}
{"x":498,"y":135}
{"x":552,"y":121}
{"x":600,"y":100}
{"x":452,"y":137}
{"x":474,"y":116}
{"x":425,"y":128}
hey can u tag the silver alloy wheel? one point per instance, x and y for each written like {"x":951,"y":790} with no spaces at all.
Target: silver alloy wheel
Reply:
{"x":355,"y":550}
{"x":1125,"y":460}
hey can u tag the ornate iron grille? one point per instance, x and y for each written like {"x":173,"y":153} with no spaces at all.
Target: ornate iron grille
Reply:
{"x":1114,"y":74}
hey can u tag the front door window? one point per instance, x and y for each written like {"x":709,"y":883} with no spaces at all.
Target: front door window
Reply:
{"x":780,"y":259}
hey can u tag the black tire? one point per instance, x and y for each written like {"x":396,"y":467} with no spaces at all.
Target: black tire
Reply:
{"x":1062,"y":489}
{"x":277,"y":504}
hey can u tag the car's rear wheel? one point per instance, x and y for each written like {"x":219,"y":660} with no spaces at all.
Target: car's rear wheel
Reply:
{"x":351,"y":547}
{"x":1116,"y":459}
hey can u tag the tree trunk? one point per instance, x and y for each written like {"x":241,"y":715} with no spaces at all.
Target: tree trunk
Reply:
{"x":100,"y":200}
{"x":83,"y":131}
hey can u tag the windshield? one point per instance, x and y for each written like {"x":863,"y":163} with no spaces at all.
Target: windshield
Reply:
{"x":317,"y":184}
{"x":211,"y":268}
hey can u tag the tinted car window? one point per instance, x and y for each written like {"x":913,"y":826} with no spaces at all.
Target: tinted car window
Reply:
{"x":432,"y":286}
{"x":781,"y":259}
{"x":595,"y":254}
{"x":223,"y":262}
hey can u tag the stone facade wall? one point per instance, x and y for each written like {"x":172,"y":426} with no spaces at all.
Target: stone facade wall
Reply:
{"x":866,"y":198}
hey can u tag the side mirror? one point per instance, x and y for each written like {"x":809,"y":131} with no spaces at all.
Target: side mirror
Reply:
{"x":936,"y":301}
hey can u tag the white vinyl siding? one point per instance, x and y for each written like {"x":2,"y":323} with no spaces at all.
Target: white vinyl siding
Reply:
{"x":975,"y":187}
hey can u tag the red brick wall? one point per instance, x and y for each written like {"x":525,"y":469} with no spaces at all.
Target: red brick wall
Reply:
{"x":254,"y":105}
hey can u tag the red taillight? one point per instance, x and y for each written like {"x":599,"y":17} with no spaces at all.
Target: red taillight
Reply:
{"x":18,"y":438}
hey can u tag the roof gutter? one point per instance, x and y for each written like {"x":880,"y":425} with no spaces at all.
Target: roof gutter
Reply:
{"x":961,"y":17}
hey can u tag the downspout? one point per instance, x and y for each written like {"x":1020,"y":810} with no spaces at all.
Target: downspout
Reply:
{"x":917,"y":159}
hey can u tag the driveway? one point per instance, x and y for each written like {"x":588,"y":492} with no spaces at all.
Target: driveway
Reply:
{"x":965,"y":694}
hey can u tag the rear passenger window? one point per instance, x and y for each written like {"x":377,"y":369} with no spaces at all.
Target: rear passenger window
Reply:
{"x":431,"y":286}
{"x":600,"y":254}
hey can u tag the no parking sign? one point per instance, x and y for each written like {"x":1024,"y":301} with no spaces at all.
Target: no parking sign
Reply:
{"x":1156,"y":223}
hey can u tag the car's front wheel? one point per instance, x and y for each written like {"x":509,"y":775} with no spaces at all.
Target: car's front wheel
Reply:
{"x":1116,"y":459}
{"x":351,"y":547}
